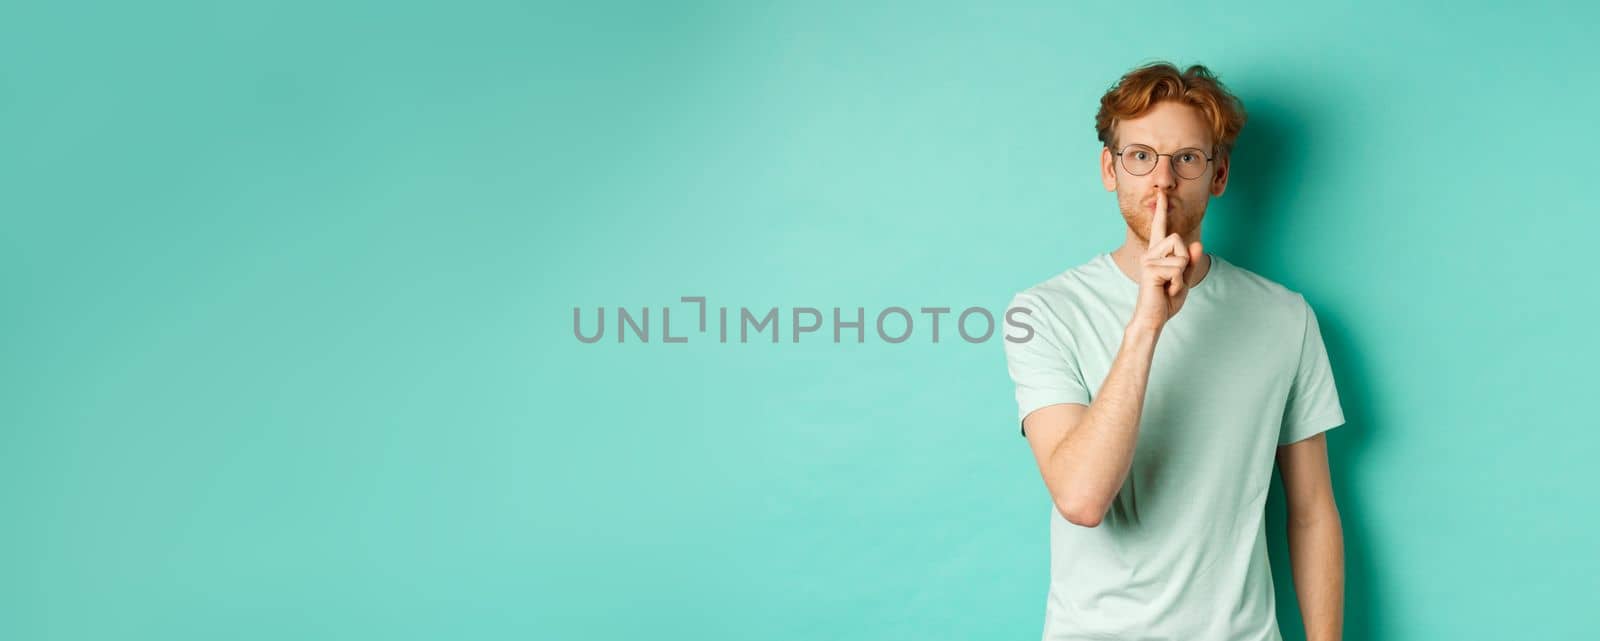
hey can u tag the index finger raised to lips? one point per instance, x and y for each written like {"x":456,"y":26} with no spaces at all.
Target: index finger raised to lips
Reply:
{"x":1158,"y":220}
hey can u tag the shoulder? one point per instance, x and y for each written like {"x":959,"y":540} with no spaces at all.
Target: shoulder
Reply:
{"x":1264,"y":292}
{"x":1059,"y":305}
{"x":1062,"y":290}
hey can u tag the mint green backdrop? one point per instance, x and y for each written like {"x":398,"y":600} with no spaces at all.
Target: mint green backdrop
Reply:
{"x":289,"y":289}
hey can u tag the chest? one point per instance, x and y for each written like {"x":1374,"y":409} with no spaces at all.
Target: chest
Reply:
{"x":1219,"y":379}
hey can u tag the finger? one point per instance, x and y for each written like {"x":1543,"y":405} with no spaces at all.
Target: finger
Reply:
{"x":1158,"y":220}
{"x":1168,"y":269}
{"x":1172,"y":245}
{"x":1195,"y":251}
{"x":1167,"y":273}
{"x":1179,"y":261}
{"x":1175,"y":282}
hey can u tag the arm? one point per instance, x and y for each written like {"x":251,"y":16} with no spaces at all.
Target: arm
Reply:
{"x":1084,"y":452}
{"x":1316,"y":538}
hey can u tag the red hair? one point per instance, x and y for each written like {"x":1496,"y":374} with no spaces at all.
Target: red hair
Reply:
{"x":1142,"y":88}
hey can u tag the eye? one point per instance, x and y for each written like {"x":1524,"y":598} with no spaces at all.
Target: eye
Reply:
{"x":1187,"y":158}
{"x":1140,"y":154}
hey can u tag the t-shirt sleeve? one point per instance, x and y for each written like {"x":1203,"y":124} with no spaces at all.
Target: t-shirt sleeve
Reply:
{"x":1313,"y":405}
{"x":1042,"y":364}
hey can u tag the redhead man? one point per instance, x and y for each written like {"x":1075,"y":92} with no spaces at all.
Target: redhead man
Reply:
{"x":1158,"y":387}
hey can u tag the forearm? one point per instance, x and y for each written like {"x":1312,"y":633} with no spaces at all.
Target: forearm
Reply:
{"x":1316,"y":551}
{"x":1096,"y":454}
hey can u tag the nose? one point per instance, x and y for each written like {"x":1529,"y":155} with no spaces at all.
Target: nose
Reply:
{"x":1164,"y":176}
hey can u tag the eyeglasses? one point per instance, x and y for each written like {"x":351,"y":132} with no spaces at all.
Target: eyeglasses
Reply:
{"x":1140,"y":160}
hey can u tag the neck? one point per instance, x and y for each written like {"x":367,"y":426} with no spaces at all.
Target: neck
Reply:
{"x":1130,"y":256}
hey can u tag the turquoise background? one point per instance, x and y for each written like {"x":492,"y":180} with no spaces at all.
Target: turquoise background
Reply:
{"x":288,"y":349}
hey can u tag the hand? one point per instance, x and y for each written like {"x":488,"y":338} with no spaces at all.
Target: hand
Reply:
{"x":1168,"y":271}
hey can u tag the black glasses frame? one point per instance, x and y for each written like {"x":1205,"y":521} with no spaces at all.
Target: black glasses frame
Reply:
{"x":1118,"y":154}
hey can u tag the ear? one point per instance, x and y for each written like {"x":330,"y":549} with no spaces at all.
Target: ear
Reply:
{"x":1219,"y":181}
{"x":1108,"y":170}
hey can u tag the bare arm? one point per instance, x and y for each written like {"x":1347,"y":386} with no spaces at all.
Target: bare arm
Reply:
{"x":1316,"y":537}
{"x":1084,"y":452}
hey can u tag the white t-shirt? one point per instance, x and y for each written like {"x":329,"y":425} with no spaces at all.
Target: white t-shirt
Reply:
{"x":1240,"y":370}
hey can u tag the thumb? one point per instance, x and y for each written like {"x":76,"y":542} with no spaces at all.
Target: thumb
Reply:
{"x":1195,"y":252}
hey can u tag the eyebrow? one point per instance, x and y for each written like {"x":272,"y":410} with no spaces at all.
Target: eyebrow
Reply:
{"x":1200,"y":147}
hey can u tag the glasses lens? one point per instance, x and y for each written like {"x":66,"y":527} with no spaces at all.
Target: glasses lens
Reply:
{"x":1189,"y":163}
{"x":1138,"y":159}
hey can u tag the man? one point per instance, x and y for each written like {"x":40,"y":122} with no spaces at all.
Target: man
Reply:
{"x":1159,"y":385}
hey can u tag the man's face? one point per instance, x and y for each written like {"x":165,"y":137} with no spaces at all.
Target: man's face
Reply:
{"x":1167,"y":127}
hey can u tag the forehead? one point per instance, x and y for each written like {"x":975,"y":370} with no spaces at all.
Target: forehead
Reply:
{"x":1167,"y":125}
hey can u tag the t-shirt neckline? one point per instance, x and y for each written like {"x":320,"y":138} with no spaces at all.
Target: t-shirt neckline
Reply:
{"x":1129,"y":284}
